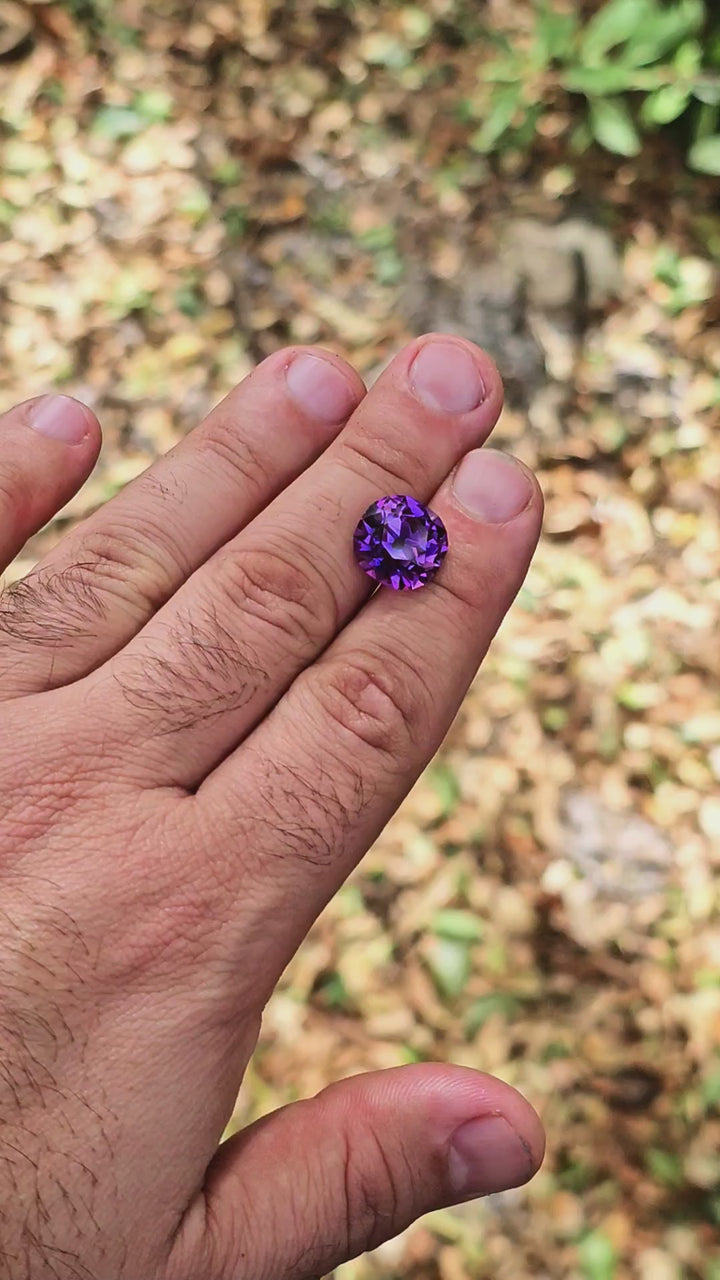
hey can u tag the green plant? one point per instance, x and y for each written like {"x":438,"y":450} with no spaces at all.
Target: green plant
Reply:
{"x":689,"y":281}
{"x":120,"y":122}
{"x":639,"y":65}
{"x":597,"y":1257}
{"x":189,"y":298}
{"x":98,"y":18}
{"x":665,"y":1167}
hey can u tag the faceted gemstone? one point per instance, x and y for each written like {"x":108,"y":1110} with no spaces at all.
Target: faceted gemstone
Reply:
{"x":400,"y":543}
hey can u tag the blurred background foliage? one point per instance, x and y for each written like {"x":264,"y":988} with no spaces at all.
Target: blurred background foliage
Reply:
{"x":639,"y":65}
{"x":185,"y":188}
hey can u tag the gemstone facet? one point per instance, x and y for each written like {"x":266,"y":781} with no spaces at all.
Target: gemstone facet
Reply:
{"x":400,"y":543}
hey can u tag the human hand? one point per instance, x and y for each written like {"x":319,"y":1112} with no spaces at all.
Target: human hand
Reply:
{"x":206,"y":721}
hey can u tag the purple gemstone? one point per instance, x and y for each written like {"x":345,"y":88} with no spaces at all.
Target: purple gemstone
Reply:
{"x":400,"y":543}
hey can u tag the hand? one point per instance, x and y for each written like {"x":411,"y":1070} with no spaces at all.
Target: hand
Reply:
{"x":206,"y":721}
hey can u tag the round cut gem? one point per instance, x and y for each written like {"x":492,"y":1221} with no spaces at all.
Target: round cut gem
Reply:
{"x":400,"y":543}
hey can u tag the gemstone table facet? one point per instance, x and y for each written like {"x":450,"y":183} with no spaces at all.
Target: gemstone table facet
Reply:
{"x":400,"y":543}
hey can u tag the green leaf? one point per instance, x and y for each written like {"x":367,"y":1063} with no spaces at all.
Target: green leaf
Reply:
{"x":637,"y":695}
{"x":227,"y":171}
{"x":524,"y":134}
{"x":236,"y":219}
{"x":577,"y":1176}
{"x":334,"y":993}
{"x":612,"y":126}
{"x":712,"y":50}
{"x":665,"y":1167}
{"x":612,"y":25}
{"x":153,"y":104}
{"x":118,"y":122}
{"x":449,"y":964}
{"x":503,"y":70}
{"x":195,"y":204}
{"x":555,"y":1051}
{"x":53,"y":91}
{"x":704,"y":155}
{"x":707,"y":89}
{"x":597,"y":1256}
{"x":189,"y":299}
{"x":381,"y":49}
{"x":665,"y":104}
{"x":580,"y":138}
{"x":711,"y":1209}
{"x":597,"y":81}
{"x":497,"y":1002}
{"x":445,"y":785}
{"x":663,"y":32}
{"x":707,"y":121}
{"x":417,"y":25}
{"x":504,"y":104}
{"x":26,"y":157}
{"x":389,"y":267}
{"x":688,"y":59}
{"x":460,"y":926}
{"x":380,"y":237}
{"x":555,"y":718}
{"x":707,"y":979}
{"x":710,"y":1090}
{"x":555,"y":33}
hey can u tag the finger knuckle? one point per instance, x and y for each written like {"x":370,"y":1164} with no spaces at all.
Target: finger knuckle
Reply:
{"x":281,"y":592}
{"x":220,"y":441}
{"x":393,"y":459}
{"x":140,"y":563}
{"x":17,"y":491}
{"x":376,"y":703}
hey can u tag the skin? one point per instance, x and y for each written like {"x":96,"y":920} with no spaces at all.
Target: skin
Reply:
{"x":207,"y":718}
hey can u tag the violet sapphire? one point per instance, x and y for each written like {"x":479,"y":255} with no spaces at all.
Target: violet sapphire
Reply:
{"x":400,"y":543}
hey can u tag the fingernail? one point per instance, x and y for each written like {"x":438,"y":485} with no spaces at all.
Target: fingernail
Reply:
{"x":491,"y":486}
{"x":486,"y":1155}
{"x":444,"y":376}
{"x":61,"y":418}
{"x":320,"y":388}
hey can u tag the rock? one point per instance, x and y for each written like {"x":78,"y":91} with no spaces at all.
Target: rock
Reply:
{"x":564,"y":263}
{"x":623,"y":855}
{"x":484,"y":304}
{"x":528,"y":307}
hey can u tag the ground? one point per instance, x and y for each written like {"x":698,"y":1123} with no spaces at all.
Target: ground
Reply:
{"x":184,"y":190}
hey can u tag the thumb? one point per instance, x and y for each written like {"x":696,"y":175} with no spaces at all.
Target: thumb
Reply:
{"x":321,"y":1181}
{"x":48,"y":447}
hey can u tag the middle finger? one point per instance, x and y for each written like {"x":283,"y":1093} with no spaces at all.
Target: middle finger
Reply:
{"x":221,"y":653}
